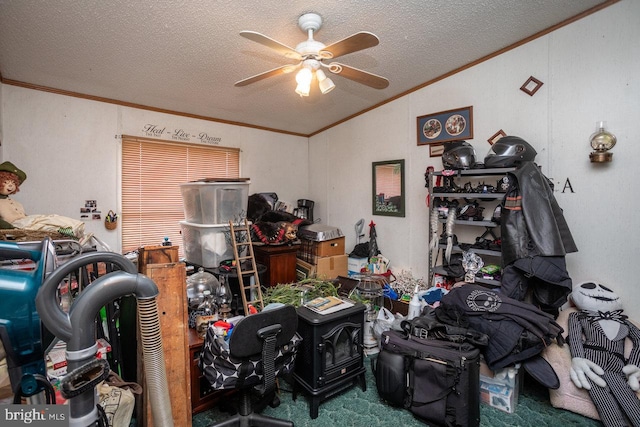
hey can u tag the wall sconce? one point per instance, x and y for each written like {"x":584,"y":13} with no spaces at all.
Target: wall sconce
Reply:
{"x":601,"y":142}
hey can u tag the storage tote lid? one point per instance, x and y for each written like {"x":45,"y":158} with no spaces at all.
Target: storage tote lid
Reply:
{"x":206,"y":180}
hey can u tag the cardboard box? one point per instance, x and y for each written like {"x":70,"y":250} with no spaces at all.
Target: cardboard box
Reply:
{"x":57,"y":361}
{"x":310,"y":250}
{"x":327,"y":268}
{"x":330,"y":247}
{"x":355,"y":265}
{"x":331,"y":267}
{"x":498,"y":389}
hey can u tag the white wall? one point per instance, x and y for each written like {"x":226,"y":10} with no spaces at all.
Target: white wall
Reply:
{"x":71,"y":153}
{"x":591,"y":72}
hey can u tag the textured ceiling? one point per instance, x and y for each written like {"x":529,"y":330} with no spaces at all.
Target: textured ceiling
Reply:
{"x":186,"y":55}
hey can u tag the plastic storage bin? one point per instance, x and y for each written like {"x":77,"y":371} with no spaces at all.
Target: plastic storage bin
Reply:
{"x":205,"y":245}
{"x":214,"y":202}
{"x":500,"y":389}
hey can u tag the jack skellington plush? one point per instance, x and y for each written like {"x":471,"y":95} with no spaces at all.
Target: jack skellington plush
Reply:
{"x":597,"y":336}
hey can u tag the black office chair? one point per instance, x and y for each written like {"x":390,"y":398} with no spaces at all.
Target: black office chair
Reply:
{"x":262,"y":346}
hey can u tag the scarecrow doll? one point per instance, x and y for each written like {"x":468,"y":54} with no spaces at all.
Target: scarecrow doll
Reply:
{"x":12,"y":213}
{"x":597,"y":336}
{"x":10,"y":180}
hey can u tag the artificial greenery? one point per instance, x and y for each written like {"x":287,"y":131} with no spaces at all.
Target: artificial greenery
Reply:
{"x":298,"y":293}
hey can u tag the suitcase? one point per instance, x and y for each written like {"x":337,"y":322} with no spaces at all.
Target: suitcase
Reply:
{"x":437,"y":380}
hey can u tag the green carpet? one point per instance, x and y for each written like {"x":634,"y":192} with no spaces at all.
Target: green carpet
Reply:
{"x":355,"y":408}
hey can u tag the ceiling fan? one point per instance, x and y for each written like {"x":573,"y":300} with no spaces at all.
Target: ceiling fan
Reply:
{"x":311,"y":55}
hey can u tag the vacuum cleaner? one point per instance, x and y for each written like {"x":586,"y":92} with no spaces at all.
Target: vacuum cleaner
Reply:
{"x":25,"y":341}
{"x":37,"y":308}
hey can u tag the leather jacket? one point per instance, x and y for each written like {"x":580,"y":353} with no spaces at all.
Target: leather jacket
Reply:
{"x":532,"y":222}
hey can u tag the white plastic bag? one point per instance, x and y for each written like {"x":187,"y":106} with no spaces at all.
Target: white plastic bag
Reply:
{"x":383,"y":322}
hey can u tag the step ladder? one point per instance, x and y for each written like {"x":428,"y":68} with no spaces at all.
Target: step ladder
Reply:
{"x":241,"y":239}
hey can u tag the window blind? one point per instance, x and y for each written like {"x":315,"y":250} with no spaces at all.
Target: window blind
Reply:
{"x":152,"y":172}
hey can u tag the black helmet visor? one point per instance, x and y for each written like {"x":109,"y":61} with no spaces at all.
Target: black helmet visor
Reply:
{"x":498,"y":149}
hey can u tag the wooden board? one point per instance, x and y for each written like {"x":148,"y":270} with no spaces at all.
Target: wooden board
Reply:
{"x":156,"y":255}
{"x":172,"y":307}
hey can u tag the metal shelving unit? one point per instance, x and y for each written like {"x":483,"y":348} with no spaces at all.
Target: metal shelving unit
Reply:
{"x":490,"y":227}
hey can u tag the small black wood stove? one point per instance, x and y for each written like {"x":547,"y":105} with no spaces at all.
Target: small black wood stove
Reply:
{"x":331,"y":357}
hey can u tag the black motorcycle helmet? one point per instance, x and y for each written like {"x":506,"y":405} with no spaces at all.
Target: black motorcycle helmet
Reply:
{"x":458,"y":155}
{"x":509,"y":151}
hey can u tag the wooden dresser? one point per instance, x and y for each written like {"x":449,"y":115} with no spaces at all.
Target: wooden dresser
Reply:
{"x":280,"y":261}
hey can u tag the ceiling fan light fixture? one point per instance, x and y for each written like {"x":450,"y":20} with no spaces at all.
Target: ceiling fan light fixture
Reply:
{"x":325,"y":83}
{"x":302,"y":89}
{"x":303,"y":78}
{"x":310,"y":55}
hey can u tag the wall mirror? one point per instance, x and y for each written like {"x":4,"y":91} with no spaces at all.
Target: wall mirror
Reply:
{"x":388,"y":188}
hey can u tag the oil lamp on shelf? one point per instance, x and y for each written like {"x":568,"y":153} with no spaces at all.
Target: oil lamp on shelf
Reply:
{"x":224,"y":299}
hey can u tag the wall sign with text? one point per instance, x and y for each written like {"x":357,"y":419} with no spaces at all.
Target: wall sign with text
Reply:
{"x":164,"y":132}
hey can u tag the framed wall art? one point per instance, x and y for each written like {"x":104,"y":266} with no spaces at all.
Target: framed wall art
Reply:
{"x":496,"y":136}
{"x":451,"y":125}
{"x":531,"y":86}
{"x":436,"y":150}
{"x":388,"y":188}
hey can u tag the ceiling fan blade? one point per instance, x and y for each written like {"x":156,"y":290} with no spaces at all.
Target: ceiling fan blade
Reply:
{"x":271,"y":73}
{"x":364,"y":77}
{"x":354,"y":43}
{"x":271,"y":43}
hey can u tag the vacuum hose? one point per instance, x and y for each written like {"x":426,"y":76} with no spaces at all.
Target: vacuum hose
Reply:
{"x":154,"y":365}
{"x":78,"y":329}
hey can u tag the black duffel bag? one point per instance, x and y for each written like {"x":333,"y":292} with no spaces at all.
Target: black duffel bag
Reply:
{"x":437,"y":380}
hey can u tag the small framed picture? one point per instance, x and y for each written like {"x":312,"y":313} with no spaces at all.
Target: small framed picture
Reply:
{"x":496,"y":136}
{"x":388,"y":188}
{"x":436,"y":150}
{"x":531,"y":86}
{"x":450,"y":125}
